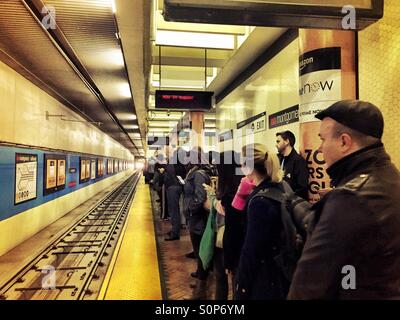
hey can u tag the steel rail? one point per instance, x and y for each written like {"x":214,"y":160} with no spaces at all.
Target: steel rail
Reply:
{"x":76,"y":258}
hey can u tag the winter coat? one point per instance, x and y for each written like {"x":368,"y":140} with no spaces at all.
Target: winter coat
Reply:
{"x":258,"y":277}
{"x":235,"y":230}
{"x":194,"y":198}
{"x":353,"y":250}
{"x":296,"y":173}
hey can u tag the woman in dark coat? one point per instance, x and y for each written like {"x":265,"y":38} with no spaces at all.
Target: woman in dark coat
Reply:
{"x":229,"y":175}
{"x":194,"y":198}
{"x":258,"y":276}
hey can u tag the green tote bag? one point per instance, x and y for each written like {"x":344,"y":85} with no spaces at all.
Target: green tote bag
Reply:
{"x":207,"y":243}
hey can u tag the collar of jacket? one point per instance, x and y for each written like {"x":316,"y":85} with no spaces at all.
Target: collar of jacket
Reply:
{"x":290,"y":155}
{"x":191,"y":171}
{"x":195,"y":168}
{"x":265,"y":184}
{"x":360,"y":160}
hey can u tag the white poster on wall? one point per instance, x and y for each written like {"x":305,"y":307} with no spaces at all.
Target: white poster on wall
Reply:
{"x":25,"y":177}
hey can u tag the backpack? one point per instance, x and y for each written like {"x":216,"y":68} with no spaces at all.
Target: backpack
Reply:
{"x":293,"y":233}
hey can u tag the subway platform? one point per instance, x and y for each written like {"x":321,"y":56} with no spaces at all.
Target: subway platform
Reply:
{"x":140,"y":265}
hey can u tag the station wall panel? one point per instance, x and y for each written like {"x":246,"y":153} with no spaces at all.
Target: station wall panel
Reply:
{"x":273,"y":88}
{"x":23,"y":108}
{"x":7,"y":180}
{"x":20,"y":221}
{"x":379,"y":69}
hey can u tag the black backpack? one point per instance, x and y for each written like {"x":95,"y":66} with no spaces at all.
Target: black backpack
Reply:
{"x":294,"y":233}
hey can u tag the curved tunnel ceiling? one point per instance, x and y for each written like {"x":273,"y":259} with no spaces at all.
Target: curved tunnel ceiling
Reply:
{"x":80,"y":62}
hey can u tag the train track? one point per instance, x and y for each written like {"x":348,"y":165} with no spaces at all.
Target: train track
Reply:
{"x":74,"y":265}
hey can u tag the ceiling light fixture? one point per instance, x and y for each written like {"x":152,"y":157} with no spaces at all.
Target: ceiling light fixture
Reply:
{"x":126,"y":116}
{"x":195,"y":39}
{"x":131,"y":126}
{"x":125,"y":90}
{"x":156,"y":84}
{"x":113,"y":6}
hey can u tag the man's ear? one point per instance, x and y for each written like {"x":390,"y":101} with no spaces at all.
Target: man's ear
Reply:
{"x":346,"y":141}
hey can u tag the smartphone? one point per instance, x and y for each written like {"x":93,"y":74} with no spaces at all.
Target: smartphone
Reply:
{"x":181,"y":181}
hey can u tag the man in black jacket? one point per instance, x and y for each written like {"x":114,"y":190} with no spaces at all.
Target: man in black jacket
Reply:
{"x":353,"y":245}
{"x":174,"y":190}
{"x":293,"y":164}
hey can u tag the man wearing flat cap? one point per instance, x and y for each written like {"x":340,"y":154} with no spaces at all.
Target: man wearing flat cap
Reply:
{"x":353,"y":244}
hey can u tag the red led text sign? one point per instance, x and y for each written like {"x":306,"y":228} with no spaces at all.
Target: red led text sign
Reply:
{"x":188,"y":100}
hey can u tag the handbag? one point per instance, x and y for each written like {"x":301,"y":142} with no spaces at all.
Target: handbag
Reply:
{"x":207,"y":243}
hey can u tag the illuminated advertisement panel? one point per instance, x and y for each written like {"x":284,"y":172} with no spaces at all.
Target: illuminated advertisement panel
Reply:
{"x":54,"y":173}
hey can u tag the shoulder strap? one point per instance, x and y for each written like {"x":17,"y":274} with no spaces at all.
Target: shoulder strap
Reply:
{"x":287,"y":188}
{"x":269,"y":193}
{"x":205,"y":175}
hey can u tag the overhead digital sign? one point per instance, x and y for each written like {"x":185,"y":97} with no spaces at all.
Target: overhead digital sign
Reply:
{"x":326,"y":14}
{"x":187,"y":100}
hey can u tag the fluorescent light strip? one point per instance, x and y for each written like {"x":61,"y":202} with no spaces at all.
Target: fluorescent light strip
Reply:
{"x":195,"y":39}
{"x":113,"y":6}
{"x":157,"y":84}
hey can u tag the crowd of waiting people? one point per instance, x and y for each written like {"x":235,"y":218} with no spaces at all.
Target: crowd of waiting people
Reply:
{"x":237,"y":233}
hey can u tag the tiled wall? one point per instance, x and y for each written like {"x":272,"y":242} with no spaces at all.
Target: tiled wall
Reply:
{"x":379,"y":61}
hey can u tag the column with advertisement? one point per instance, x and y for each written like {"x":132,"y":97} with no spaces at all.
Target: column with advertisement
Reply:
{"x":327,"y":75}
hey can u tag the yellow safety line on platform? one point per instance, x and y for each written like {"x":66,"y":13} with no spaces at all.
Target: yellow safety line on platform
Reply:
{"x":134,"y":272}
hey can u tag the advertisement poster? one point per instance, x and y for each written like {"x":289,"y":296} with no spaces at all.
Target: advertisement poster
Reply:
{"x":109,"y":166}
{"x":54,"y":173}
{"x":87,"y":169}
{"x":25,"y":177}
{"x":61,"y":169}
{"x":93,"y":170}
{"x":51,"y":173}
{"x":100,"y":167}
{"x":83,"y":172}
{"x":320,"y":86}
